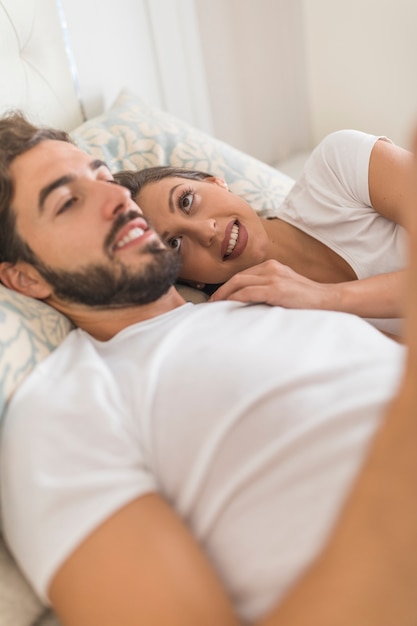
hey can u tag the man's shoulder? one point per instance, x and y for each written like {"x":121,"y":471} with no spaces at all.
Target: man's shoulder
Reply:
{"x":66,"y":366}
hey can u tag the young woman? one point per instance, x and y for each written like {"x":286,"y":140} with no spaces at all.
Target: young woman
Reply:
{"x":337,"y":241}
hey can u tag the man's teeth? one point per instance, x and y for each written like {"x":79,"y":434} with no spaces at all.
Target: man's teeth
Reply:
{"x":134,"y":233}
{"x":233,"y":239}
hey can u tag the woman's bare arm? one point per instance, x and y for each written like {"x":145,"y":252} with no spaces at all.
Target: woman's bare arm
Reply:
{"x":276,"y":284}
{"x":390,"y":181}
{"x":271,"y":282}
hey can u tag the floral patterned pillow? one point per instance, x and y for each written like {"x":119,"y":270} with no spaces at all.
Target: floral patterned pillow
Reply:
{"x":133,"y":135}
{"x":29,"y":331}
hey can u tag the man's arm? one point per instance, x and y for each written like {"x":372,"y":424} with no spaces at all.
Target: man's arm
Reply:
{"x":141,"y":566}
{"x":367,"y":574}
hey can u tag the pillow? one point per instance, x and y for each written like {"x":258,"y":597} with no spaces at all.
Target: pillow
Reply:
{"x":29,"y":331}
{"x":133,"y":135}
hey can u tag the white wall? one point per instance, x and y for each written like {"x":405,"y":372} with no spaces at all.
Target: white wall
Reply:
{"x":362,"y":66}
{"x":110,"y":50}
{"x":271,"y":77}
{"x":150,"y":46}
{"x":284,"y":73}
{"x":254,"y":59}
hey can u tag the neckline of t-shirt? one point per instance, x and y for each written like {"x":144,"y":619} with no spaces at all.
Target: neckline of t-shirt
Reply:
{"x":145,"y":324}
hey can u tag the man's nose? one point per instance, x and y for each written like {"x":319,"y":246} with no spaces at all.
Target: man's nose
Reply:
{"x":115,"y":199}
{"x":202,"y":231}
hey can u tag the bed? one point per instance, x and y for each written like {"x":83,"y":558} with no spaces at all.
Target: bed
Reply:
{"x":39,"y":76}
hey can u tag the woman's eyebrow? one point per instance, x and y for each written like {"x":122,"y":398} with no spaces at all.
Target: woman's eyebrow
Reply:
{"x":170,"y":200}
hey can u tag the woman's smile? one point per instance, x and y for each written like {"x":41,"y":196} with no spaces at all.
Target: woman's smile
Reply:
{"x":235,"y":240}
{"x":211,"y":233}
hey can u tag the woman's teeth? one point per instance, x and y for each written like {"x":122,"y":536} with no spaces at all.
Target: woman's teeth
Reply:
{"x":134,"y":233}
{"x":233,"y":239}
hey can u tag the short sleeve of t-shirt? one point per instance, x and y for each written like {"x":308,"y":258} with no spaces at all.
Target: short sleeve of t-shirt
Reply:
{"x":341,"y":163}
{"x":64,"y":470}
{"x":334,"y":181}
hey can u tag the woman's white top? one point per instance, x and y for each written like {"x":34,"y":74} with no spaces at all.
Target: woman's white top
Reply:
{"x":330,"y":201}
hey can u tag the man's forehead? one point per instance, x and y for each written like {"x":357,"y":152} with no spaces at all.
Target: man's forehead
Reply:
{"x":50,"y":154}
{"x":47,"y":161}
{"x":41,"y":167}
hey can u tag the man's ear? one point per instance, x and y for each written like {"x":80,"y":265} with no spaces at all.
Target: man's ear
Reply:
{"x":24,"y":278}
{"x":218,"y":181}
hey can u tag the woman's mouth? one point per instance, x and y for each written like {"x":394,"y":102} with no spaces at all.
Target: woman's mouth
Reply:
{"x":235,"y":240}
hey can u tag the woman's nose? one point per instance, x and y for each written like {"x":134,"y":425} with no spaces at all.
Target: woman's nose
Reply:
{"x":202,"y":231}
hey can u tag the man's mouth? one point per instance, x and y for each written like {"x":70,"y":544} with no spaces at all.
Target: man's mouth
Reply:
{"x":134,"y":233}
{"x":126,"y":229}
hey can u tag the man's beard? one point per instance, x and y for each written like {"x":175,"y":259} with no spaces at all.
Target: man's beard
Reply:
{"x":115,"y":286}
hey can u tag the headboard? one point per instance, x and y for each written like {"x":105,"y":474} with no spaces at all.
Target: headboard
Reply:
{"x":36,"y":69}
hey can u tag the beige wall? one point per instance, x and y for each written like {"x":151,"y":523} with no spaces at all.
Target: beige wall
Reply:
{"x":361,"y":60}
{"x":271,"y":77}
{"x":253,"y":52}
{"x":150,"y":46}
{"x":281,"y":74}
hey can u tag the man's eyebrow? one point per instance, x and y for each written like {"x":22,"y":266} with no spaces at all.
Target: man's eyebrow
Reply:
{"x":94,"y":165}
{"x":65,"y":180}
{"x":48,"y":189}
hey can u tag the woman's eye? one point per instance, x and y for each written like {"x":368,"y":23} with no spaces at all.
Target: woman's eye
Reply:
{"x":186,"y":201}
{"x":175,"y":243}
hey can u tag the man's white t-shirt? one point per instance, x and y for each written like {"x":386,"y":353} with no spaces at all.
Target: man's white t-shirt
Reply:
{"x":330,"y":201}
{"x":252,"y":422}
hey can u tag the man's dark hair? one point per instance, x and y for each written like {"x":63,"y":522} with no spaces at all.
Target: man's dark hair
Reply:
{"x":17,"y":136}
{"x":136,"y":180}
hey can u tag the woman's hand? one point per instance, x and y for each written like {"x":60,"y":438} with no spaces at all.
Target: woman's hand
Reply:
{"x":273,"y":283}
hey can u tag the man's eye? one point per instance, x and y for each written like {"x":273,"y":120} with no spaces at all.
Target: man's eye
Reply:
{"x":175,"y":243}
{"x":186,"y":200}
{"x":67,"y":205}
